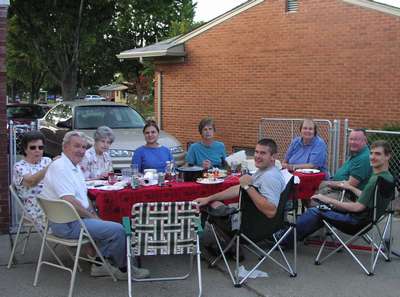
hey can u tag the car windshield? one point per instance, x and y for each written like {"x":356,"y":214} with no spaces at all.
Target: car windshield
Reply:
{"x":25,"y":112}
{"x":115,"y":117}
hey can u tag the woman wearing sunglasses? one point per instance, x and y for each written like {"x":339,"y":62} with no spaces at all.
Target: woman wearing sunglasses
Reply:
{"x":29,"y":172}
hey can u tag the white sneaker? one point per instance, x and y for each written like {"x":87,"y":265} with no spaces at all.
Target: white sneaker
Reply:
{"x":97,"y":271}
{"x":138,"y":273}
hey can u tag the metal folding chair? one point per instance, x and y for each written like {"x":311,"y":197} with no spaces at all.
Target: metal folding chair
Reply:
{"x":163,"y":228}
{"x":383,"y":198}
{"x":60,"y":211}
{"x":253,"y":229}
{"x":25,"y":222}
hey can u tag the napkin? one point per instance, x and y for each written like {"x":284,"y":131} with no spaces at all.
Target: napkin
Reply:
{"x":287,"y":176}
{"x":256,"y":273}
{"x":237,"y":157}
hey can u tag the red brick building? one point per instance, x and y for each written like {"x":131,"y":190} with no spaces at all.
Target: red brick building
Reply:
{"x":4,"y":207}
{"x":326,"y":59}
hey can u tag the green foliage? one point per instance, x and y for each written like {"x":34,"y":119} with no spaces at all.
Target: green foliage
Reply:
{"x":392,"y":126}
{"x":62,"y":33}
{"x":143,"y":105}
{"x":23,"y":66}
{"x":75,"y":42}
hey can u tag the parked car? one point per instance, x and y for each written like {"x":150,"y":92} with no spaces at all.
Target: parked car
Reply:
{"x":93,"y":97}
{"x":87,"y":116}
{"x":24,"y":113}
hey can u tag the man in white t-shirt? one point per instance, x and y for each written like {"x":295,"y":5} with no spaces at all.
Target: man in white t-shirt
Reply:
{"x":64,"y":180}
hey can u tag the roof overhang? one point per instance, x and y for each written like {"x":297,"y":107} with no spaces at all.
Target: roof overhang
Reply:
{"x":376,"y":6}
{"x":163,"y":49}
{"x":173,"y":50}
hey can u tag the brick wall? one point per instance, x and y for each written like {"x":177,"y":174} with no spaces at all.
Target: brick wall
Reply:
{"x":4,"y":207}
{"x":329,"y":60}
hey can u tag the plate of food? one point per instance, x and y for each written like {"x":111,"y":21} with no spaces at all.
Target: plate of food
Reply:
{"x":209,"y":181}
{"x":308,"y":170}
{"x":215,"y":173}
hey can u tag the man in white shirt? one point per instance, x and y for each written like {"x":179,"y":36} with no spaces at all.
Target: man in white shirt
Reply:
{"x":64,"y":180}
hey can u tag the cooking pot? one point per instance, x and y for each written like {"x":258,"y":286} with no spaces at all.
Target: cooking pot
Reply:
{"x":189,"y":174}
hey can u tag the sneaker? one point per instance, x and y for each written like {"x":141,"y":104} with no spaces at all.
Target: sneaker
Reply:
{"x":97,"y":271}
{"x":138,"y":273}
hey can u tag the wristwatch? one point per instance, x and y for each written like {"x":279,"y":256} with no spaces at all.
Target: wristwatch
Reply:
{"x":246,"y":187}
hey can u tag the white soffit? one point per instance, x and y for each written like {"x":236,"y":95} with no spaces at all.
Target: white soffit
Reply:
{"x":376,"y":6}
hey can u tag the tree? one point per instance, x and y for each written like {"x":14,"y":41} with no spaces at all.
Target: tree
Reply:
{"x":75,"y":42}
{"x":23,"y":67}
{"x":58,"y":29}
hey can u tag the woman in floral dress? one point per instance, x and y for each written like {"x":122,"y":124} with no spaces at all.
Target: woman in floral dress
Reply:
{"x":96,"y":164}
{"x":29,"y":172}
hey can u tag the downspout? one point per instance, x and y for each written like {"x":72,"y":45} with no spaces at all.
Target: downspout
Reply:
{"x":159,"y":99}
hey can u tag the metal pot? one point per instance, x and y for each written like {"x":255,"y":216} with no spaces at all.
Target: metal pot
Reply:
{"x":189,"y":174}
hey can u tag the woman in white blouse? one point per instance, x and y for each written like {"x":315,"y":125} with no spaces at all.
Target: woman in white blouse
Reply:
{"x":97,"y":161}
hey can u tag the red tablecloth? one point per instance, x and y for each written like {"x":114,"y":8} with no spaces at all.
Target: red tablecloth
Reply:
{"x":309,"y":183}
{"x":113,"y":205}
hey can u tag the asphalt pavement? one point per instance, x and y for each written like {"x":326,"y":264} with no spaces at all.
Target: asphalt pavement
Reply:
{"x":338,"y":276}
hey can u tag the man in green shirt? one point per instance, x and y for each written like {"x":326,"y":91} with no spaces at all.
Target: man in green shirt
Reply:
{"x":351,"y":213}
{"x":355,"y":171}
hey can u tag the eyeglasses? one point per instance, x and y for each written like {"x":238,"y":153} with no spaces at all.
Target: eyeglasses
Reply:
{"x":34,"y":147}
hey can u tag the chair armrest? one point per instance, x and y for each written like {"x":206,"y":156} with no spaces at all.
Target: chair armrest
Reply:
{"x":199,"y":227}
{"x":126,"y":223}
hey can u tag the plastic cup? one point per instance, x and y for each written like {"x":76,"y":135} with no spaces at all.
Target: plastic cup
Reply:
{"x":112,"y":179}
{"x":135,"y":169}
{"x":126,"y":173}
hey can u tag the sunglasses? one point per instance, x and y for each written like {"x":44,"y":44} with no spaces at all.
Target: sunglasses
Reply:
{"x":34,"y":147}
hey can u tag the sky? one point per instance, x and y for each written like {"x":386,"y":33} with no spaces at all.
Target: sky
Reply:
{"x":209,"y":9}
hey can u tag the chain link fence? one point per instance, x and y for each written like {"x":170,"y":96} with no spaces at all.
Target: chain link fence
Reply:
{"x":284,"y":130}
{"x":15,"y":152}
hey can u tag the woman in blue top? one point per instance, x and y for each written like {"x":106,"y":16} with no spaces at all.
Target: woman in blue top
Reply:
{"x":207,"y":152}
{"x":308,"y":151}
{"x":152,"y":155}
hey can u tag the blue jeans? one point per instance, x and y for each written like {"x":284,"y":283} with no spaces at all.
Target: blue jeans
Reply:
{"x":311,"y":221}
{"x":109,"y":236}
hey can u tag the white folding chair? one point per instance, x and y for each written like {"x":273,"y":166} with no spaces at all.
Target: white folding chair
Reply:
{"x":25,"y":222}
{"x":61,"y":212}
{"x":164,"y":228}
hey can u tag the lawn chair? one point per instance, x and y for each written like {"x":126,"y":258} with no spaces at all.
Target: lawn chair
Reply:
{"x":253,"y":229}
{"x":383,"y":196}
{"x":61,"y":211}
{"x":163,"y":228}
{"x":25,"y":222}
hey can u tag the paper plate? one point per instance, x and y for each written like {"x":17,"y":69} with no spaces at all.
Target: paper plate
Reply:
{"x":209,"y":181}
{"x":308,"y":170}
{"x":93,"y":184}
{"x":110,"y":188}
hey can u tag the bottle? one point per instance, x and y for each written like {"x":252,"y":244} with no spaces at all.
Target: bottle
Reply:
{"x":168,"y":170}
{"x":134,"y":182}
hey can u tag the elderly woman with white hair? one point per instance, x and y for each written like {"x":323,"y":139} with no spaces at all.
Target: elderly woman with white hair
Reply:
{"x":96,"y":164}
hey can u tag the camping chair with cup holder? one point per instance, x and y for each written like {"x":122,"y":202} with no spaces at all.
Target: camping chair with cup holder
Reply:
{"x":383,"y":198}
{"x":244,"y":234}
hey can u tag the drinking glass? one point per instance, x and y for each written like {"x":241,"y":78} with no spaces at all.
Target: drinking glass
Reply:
{"x":135,"y":169}
{"x":126,"y":173}
{"x":234,"y":167}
